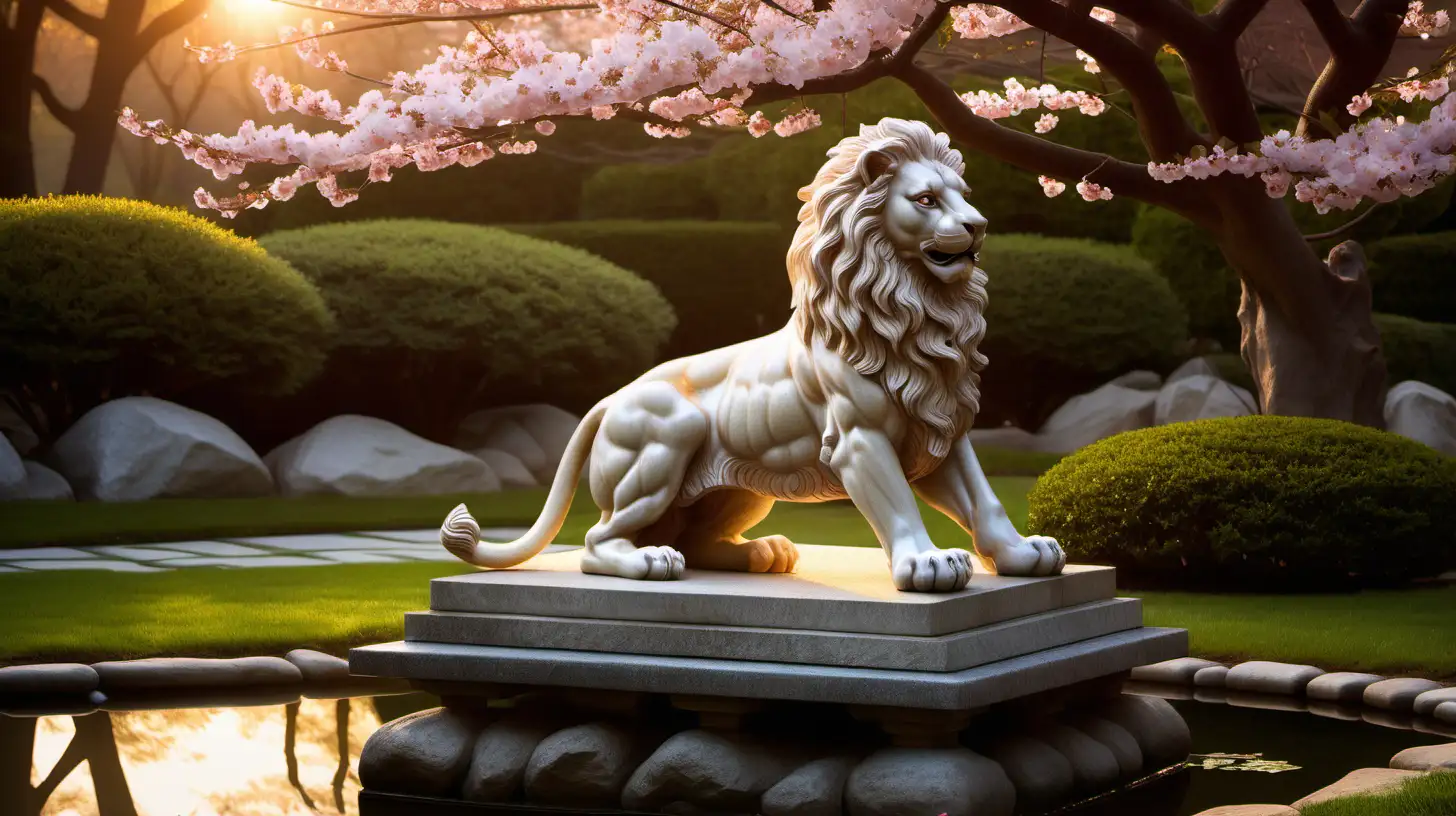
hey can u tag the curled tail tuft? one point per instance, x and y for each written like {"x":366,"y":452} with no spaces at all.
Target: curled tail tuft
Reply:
{"x":460,"y":533}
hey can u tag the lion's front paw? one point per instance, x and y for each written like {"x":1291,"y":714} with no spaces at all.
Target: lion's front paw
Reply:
{"x":932,"y":571}
{"x":623,"y":560}
{"x":1032,"y":555}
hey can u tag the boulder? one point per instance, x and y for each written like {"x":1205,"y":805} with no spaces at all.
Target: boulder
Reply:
{"x":1397,"y":694}
{"x":584,"y":766}
{"x":1266,"y":677}
{"x":1196,"y":367}
{"x":1340,"y":687}
{"x":1139,"y":380}
{"x":137,"y":448}
{"x":48,"y":679}
{"x":814,"y":789}
{"x":512,"y":474}
{"x":1094,"y":768}
{"x":1041,"y":775}
{"x":189,"y":673}
{"x":1178,"y":671}
{"x":15,"y":429}
{"x":1249,"y":810}
{"x":424,"y":754}
{"x":501,"y":753}
{"x":1445,"y":712}
{"x":1424,"y":413}
{"x":1213,"y":677}
{"x":1158,"y":728}
{"x":1365,"y":780}
{"x":353,"y":455}
{"x":12,"y":472}
{"x":534,"y":434}
{"x":920,"y":781}
{"x":1007,"y":437}
{"x":709,"y":770}
{"x":1086,"y":418}
{"x":44,"y":484}
{"x":1201,"y":397}
{"x":1426,"y":758}
{"x":1117,"y":740}
{"x":1426,"y":702}
{"x":317,"y":667}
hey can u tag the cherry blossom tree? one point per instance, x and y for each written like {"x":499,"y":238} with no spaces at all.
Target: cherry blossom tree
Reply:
{"x":675,"y":65}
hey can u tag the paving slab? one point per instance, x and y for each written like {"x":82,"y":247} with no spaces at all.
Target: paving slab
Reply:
{"x":439,"y":554}
{"x":10,"y":569}
{"x":312,"y":543}
{"x":139,"y":552}
{"x":942,"y":653}
{"x":243,"y":562}
{"x":212,"y":548}
{"x":836,"y":589}
{"x":953,"y":691}
{"x":432,"y":535}
{"x":43,"y":553}
{"x":346,"y":557}
{"x":85,"y":564}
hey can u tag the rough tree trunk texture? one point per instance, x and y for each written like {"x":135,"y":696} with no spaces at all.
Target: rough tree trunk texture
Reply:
{"x":17,"y":52}
{"x":1308,"y":335}
{"x":94,"y":122}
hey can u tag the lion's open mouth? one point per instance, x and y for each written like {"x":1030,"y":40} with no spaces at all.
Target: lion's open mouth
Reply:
{"x":948,"y":258}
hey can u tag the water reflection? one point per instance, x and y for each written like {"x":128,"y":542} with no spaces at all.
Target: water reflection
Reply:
{"x":299,"y":759}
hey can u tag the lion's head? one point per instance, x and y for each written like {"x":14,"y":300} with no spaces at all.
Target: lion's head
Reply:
{"x":883,"y":268}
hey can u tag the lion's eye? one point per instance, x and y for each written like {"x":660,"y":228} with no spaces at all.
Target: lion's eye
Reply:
{"x":925,"y":200}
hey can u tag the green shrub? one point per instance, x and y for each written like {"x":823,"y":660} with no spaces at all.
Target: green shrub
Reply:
{"x":726,"y":281}
{"x":107,"y":297}
{"x":437,"y":319}
{"x":1418,"y":351}
{"x":1186,"y":256}
{"x":651,"y":191}
{"x":1259,"y":502}
{"x":1064,"y":316}
{"x":1415,"y":276}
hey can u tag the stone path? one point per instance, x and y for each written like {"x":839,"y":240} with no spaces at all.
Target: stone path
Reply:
{"x":317,"y":550}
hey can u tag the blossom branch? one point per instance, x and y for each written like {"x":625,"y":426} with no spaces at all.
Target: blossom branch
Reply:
{"x":1232,"y":17}
{"x":1358,"y":53}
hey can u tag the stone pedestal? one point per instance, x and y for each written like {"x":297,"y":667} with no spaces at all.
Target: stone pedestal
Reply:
{"x":879,"y":677}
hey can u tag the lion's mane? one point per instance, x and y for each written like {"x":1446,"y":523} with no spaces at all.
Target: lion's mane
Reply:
{"x":891,"y":321}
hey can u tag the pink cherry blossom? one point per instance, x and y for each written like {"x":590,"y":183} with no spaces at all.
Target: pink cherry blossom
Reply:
{"x":1092,"y":192}
{"x":1359,"y":104}
{"x":1050,"y":186}
{"x":797,"y":123}
{"x":1046,"y":123}
{"x":545,"y":127}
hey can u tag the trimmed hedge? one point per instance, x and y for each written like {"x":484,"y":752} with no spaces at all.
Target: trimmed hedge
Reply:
{"x":726,"y":281}
{"x":1418,"y":351}
{"x":669,"y":191}
{"x":108,"y":297}
{"x":437,"y":319}
{"x":1254,"y":503}
{"x":1185,"y":255}
{"x":1415,"y":276}
{"x":1066,"y":315}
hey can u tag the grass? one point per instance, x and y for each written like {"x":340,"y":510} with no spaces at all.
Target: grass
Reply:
{"x":1430,"y":795}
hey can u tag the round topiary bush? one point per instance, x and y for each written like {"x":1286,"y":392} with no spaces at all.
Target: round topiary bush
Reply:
{"x":1186,"y":256}
{"x":438,"y":319}
{"x":1064,"y":316}
{"x":1416,"y":350}
{"x":651,"y":191}
{"x":1412,"y":276}
{"x":1254,"y":503}
{"x":108,"y":297}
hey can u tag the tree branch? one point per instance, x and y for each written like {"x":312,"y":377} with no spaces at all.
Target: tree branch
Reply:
{"x":1044,"y":157}
{"x":70,"y":117}
{"x":1177,"y":24}
{"x":1232,"y":17}
{"x":162,"y":25}
{"x":87,"y":23}
{"x":1345,"y":227}
{"x":1359,"y":48}
{"x":1334,"y":28}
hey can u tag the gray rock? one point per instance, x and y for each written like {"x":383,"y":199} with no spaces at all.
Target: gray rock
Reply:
{"x":501,"y":753}
{"x":48,"y":678}
{"x":1426,"y":701}
{"x":1335,"y":711}
{"x":1340,"y":687}
{"x":1445,"y":712}
{"x":1094,"y":768}
{"x":919,"y":781}
{"x":583,"y":766}
{"x":1426,"y":758}
{"x":512,"y":474}
{"x":1139,"y":380}
{"x":1387,"y":719}
{"x":16,"y":430}
{"x":709,"y":770}
{"x":424,"y":753}
{"x":1116,"y":739}
{"x":1159,"y":730}
{"x":317,"y":667}
{"x":1178,"y":671}
{"x":1267,"y":702}
{"x":1425,"y":725}
{"x":1007,"y":438}
{"x":1397,"y":694}
{"x":1266,"y":677}
{"x":353,"y":455}
{"x":534,"y":434}
{"x":1040,"y":773}
{"x":1250,"y":810}
{"x":195,"y":673}
{"x":12,"y":472}
{"x":814,"y":789}
{"x":1196,"y":367}
{"x":1424,"y":413}
{"x":137,"y":448}
{"x":1364,"y":780}
{"x":1211,"y":695}
{"x":1211,"y":677}
{"x":1086,"y":418}
{"x":44,"y":484}
{"x":1201,"y":397}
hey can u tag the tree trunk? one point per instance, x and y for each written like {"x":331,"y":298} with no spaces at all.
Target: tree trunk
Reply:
{"x":1308,"y":335}
{"x":95,"y":122}
{"x":17,"y":53}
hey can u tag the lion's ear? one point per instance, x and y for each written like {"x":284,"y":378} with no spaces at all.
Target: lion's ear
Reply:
{"x":873,"y":164}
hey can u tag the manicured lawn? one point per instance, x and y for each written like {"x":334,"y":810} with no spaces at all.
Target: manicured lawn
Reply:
{"x":1431,"y":795}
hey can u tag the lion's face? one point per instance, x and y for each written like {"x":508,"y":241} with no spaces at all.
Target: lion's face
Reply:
{"x":929,"y":222}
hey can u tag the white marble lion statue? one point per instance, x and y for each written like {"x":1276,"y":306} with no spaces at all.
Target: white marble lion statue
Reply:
{"x":866,"y":394}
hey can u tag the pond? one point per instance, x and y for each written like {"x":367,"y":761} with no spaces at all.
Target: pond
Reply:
{"x":301,"y":759}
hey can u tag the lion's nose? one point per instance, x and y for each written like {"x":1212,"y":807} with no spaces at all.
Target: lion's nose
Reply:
{"x":977,"y":228}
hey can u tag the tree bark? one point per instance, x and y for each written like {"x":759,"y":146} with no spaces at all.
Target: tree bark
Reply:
{"x":95,"y":122}
{"x":17,"y":54}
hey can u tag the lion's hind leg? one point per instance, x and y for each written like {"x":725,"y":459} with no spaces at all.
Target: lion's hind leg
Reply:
{"x":648,"y":437}
{"x":712,"y":537}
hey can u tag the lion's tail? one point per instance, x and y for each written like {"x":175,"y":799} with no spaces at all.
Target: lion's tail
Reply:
{"x":461,"y":532}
